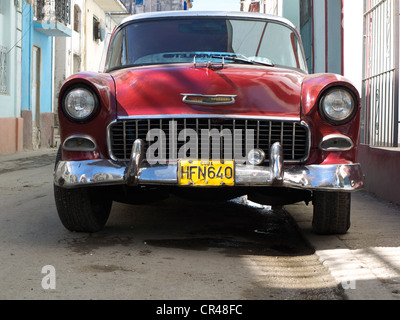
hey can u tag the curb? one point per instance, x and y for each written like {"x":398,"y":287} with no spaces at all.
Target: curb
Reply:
{"x":28,"y":154}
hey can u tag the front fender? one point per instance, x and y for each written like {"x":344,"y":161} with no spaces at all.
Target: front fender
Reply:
{"x":103,"y":85}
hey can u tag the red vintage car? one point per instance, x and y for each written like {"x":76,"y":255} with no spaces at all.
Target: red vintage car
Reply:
{"x":212,"y":106}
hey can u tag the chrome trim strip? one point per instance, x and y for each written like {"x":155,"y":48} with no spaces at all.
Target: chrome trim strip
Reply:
{"x":108,"y":138}
{"x":212,"y":116}
{"x":294,"y":139}
{"x":305,"y":124}
{"x":124,"y":138}
{"x":187,"y":95}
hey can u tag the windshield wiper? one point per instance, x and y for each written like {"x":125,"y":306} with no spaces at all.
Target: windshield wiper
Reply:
{"x":242,"y":59}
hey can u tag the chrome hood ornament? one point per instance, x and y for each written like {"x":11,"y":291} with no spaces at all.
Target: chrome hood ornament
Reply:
{"x":208,"y":100}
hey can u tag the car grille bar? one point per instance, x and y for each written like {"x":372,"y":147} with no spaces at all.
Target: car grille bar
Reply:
{"x":293,"y":136}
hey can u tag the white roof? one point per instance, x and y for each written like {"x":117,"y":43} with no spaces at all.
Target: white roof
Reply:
{"x":186,"y":14}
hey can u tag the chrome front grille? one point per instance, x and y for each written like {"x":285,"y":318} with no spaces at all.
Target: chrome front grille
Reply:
{"x":293,"y":136}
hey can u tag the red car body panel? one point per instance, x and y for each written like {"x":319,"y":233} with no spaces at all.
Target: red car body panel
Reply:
{"x":314,"y":86}
{"x":260,"y":91}
{"x":157,"y":90}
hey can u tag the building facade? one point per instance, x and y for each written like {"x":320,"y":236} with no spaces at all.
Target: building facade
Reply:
{"x":11,"y":123}
{"x":91,"y":21}
{"x":42,"y":22}
{"x":379,"y":151}
{"x":360,"y":40}
{"x":141,"y":6}
{"x":320,"y":25}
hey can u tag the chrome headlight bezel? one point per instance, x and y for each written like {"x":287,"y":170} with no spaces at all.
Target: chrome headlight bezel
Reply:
{"x":86,"y":103}
{"x":338,"y":105}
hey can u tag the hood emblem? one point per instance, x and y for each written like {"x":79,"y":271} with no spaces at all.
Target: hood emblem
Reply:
{"x":207,"y":100}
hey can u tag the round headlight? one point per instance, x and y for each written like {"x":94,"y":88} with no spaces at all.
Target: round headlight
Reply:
{"x":338,"y":106}
{"x":80,"y":104}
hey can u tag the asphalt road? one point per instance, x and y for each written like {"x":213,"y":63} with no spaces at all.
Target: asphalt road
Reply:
{"x":177,"y":250}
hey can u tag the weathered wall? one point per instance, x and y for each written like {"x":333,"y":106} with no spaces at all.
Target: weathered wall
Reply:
{"x":11,"y":133}
{"x":382,"y":172}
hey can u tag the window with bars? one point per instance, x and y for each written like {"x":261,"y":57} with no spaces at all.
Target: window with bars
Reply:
{"x":52,"y":10}
{"x":3,"y":70}
{"x":380,"y":115}
{"x":96,"y":28}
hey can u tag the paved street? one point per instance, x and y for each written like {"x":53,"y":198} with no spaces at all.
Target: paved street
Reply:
{"x":176,"y":249}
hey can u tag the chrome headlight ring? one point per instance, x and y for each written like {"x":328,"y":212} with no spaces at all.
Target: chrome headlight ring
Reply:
{"x":80,"y":103}
{"x":338,"y":105}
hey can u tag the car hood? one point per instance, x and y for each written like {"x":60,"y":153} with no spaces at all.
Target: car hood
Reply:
{"x":160,"y":90}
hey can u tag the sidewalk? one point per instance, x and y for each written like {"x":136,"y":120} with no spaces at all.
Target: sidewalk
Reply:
{"x":27,"y":159}
{"x":27,"y":154}
{"x":365,"y":261}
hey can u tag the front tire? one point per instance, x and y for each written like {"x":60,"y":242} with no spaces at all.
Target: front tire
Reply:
{"x":83,"y":209}
{"x":331,"y":212}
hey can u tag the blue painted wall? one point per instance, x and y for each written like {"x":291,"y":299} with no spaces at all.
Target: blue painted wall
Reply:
{"x":27,"y":40}
{"x":334,"y":24}
{"x":31,"y":38}
{"x":9,"y":38}
{"x":321,"y":35}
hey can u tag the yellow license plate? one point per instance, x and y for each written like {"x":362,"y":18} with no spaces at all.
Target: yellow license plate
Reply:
{"x":206,"y":173}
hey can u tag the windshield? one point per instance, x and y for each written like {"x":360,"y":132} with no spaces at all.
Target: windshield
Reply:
{"x":205,"y":39}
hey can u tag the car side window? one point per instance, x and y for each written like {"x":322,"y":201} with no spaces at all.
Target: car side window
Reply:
{"x":275,"y":36}
{"x":117,"y":54}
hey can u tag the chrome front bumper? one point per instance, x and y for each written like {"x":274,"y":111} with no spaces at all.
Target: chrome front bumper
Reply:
{"x":341,"y":177}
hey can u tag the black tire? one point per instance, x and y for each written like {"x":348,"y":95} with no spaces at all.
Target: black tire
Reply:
{"x":331,"y":212}
{"x":82,"y":209}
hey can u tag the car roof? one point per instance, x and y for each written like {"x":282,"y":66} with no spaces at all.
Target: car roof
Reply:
{"x":188,"y":14}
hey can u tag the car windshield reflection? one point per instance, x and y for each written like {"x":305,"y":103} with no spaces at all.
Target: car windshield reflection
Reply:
{"x":171,"y":41}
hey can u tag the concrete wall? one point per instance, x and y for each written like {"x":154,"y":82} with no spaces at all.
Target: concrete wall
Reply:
{"x":382,"y":172}
{"x":94,"y":48}
{"x":290,"y":10}
{"x":11,"y":135}
{"x":64,"y":50}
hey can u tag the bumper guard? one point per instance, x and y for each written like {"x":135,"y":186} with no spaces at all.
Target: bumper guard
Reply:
{"x":341,"y":177}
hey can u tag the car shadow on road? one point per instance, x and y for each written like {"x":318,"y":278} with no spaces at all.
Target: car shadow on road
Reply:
{"x":237,"y":227}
